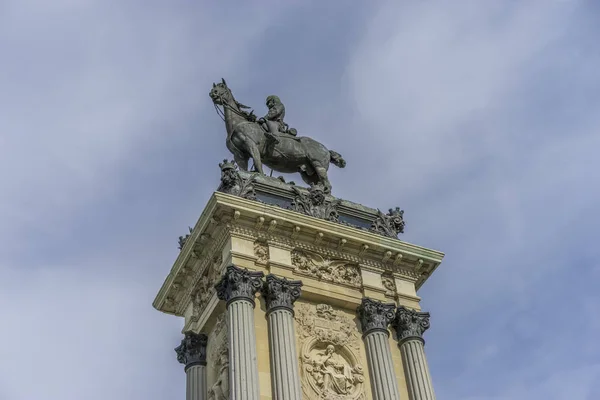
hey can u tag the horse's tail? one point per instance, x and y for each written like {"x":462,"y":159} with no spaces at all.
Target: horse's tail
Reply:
{"x":336,"y":159}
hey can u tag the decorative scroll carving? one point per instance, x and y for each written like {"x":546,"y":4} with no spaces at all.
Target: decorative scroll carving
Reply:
{"x":238,"y":284}
{"x":375,"y":315}
{"x":261,"y":251}
{"x":410,"y":324}
{"x":192,"y":350}
{"x":280,"y":293}
{"x":182,"y":239}
{"x":324,"y":268}
{"x":315,"y":203}
{"x":330,"y":344}
{"x":389,"y":284}
{"x":233,"y":183}
{"x":390,"y":224}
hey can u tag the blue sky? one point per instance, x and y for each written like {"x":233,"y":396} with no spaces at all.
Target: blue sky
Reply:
{"x":479,"y":118}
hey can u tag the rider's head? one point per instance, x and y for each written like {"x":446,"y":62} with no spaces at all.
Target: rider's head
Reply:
{"x":272,"y":100}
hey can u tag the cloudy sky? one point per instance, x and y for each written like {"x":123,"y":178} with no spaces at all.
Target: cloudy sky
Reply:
{"x":479,"y":118}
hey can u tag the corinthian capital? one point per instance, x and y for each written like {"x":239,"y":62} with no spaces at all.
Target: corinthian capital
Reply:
{"x":237,"y":284}
{"x":192,"y":350}
{"x":410,"y":324}
{"x":375,"y":315}
{"x":280,"y":293}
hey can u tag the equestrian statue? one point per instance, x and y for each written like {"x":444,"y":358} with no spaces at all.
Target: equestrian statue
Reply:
{"x":270,"y":141}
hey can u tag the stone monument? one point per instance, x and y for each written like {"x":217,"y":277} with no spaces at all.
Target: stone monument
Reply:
{"x":288,"y":292}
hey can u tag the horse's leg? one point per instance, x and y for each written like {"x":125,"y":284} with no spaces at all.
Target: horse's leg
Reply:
{"x":309,"y":179}
{"x":255,"y":154}
{"x":322,"y":174}
{"x":241,"y":162}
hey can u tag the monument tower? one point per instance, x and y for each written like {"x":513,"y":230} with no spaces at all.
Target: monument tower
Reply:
{"x":288,"y":292}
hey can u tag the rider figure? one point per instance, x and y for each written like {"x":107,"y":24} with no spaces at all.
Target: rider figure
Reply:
{"x":274,"y":120}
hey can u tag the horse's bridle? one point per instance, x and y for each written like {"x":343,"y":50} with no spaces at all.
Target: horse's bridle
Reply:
{"x":221,"y":113}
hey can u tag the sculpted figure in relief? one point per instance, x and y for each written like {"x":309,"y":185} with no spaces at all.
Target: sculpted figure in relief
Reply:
{"x":332,"y":374}
{"x":220,"y":389}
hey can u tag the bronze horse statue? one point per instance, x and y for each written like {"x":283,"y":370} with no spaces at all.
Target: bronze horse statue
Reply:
{"x":247,"y":139}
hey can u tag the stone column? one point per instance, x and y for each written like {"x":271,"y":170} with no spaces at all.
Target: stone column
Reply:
{"x":375,"y":317}
{"x":410,"y":326}
{"x":192,"y":353}
{"x":280,"y":295}
{"x":238,"y":287}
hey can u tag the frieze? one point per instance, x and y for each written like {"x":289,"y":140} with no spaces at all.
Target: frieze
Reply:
{"x":219,"y":357}
{"x":325,"y":268}
{"x":330,"y":345}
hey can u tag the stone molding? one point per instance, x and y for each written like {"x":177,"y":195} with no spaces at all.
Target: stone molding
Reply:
{"x":192,"y":350}
{"x":239,"y":284}
{"x":410,"y":324}
{"x":375,"y":315}
{"x":326,"y":269}
{"x":280,"y":293}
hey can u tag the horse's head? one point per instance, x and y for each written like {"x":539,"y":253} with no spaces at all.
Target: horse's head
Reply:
{"x":220,"y":93}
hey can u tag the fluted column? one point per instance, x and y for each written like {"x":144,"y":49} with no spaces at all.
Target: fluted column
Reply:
{"x":410,"y":326}
{"x":375,"y":317}
{"x":280,"y":295}
{"x":192,"y":353}
{"x":238,"y":287}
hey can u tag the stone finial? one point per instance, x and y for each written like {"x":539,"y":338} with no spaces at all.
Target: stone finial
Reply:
{"x":390,"y":224}
{"x":280,"y":293}
{"x":192,"y":350}
{"x":237,"y":284}
{"x":375,"y":315}
{"x":410,"y":324}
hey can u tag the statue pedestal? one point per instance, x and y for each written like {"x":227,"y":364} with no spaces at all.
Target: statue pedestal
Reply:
{"x":297,"y":340}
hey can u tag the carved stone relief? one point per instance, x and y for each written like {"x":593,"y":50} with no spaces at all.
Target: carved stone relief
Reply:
{"x":325,"y":268}
{"x":329,"y":348}
{"x":261,"y":251}
{"x":205,"y":288}
{"x":389,"y":284}
{"x":219,"y":360}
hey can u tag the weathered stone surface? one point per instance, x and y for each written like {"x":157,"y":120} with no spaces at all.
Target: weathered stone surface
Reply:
{"x":237,"y":284}
{"x":192,"y":350}
{"x":375,"y":315}
{"x":410,"y":324}
{"x":280,"y":293}
{"x":233,"y":183}
{"x":390,"y":224}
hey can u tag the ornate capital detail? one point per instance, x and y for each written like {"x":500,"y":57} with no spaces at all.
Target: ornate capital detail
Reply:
{"x":375,"y":315}
{"x":315,"y":203}
{"x":410,"y":324}
{"x":192,"y":350}
{"x":233,"y":183}
{"x":237,"y":284}
{"x":280,"y":293}
{"x":390,"y":224}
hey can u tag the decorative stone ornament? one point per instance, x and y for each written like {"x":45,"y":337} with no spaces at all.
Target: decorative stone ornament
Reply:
{"x":192,"y":350}
{"x":375,"y":315}
{"x":233,"y":183}
{"x":410,"y":324}
{"x":315,"y":203}
{"x":390,"y":224}
{"x":182,"y":239}
{"x":280,"y":293}
{"x":239,"y":284}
